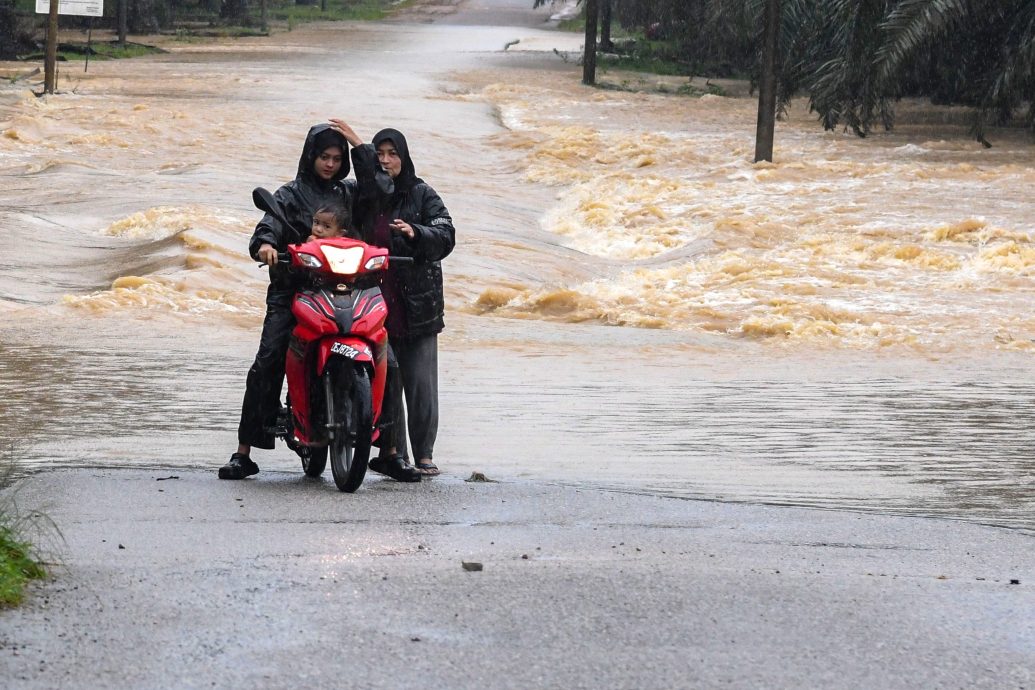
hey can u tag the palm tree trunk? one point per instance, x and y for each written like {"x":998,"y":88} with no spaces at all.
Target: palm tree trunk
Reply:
{"x":605,"y":26}
{"x":767,"y":84}
{"x":589,"y":58}
{"x":123,"y":12}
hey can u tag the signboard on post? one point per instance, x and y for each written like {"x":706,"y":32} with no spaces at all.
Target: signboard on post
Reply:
{"x":79,"y":8}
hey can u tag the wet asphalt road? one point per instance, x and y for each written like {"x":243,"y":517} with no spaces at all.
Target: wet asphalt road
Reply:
{"x":171,"y":578}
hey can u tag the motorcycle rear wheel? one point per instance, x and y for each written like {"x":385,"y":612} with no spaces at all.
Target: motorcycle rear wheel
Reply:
{"x":349,"y":451}
{"x":314,"y":462}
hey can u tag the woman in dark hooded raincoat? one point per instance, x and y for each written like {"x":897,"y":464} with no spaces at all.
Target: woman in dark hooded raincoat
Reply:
{"x":409,"y":219}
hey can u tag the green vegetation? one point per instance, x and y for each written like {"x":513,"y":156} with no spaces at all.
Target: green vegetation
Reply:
{"x":105,"y":51}
{"x":636,"y":43}
{"x":640,"y":62}
{"x":575,"y":25}
{"x":18,"y":561}
{"x":337,"y":10}
{"x":852,"y":59}
{"x":21,"y":28}
{"x":195,"y":35}
{"x":97,"y":51}
{"x":641,"y":84}
{"x":17,"y":566}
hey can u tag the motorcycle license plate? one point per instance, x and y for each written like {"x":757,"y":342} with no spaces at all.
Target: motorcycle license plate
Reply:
{"x":345,"y":350}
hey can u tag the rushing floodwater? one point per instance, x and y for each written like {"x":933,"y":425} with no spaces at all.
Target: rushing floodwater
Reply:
{"x":633,"y":303}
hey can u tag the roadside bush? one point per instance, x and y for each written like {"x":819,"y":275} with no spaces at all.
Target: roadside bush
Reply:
{"x":17,"y":566}
{"x":19,"y":562}
{"x":16,"y":30}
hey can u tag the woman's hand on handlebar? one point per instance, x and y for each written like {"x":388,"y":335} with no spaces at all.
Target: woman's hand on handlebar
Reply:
{"x":267,"y":254}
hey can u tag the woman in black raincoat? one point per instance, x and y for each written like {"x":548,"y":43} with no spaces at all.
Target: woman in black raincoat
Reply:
{"x":409,"y":219}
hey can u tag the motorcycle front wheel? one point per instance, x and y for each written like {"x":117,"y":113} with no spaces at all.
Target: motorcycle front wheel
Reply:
{"x":353,"y":415}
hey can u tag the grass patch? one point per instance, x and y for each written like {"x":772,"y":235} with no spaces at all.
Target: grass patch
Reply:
{"x":97,"y":51}
{"x":17,"y":566}
{"x":575,"y":25}
{"x":18,"y":561}
{"x":193,"y":35}
{"x":709,"y":89}
{"x":188,"y":23}
{"x":654,"y":64}
{"x":19,"y":558}
{"x":641,"y":85}
{"x":337,"y":10}
{"x":106,"y":51}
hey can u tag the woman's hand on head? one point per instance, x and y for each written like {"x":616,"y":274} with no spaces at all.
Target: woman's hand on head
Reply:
{"x":343,"y":128}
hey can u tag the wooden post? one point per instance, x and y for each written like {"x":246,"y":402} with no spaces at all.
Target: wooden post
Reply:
{"x":264,"y":16}
{"x":89,"y":44}
{"x":50,"y":59}
{"x":767,"y":84}
{"x":589,"y":57}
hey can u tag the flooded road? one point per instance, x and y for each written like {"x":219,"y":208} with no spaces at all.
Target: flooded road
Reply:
{"x":632,"y":303}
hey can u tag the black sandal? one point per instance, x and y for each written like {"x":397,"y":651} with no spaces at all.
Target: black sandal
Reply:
{"x":395,"y":467}
{"x":428,"y":468}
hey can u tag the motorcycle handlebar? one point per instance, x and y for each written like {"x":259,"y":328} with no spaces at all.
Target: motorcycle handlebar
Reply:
{"x":284,"y":257}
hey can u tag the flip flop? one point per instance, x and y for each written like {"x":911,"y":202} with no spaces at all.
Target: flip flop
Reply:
{"x":428,"y":468}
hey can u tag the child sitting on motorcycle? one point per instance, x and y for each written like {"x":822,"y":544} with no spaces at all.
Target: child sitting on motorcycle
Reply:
{"x":331,"y":221}
{"x":328,"y":222}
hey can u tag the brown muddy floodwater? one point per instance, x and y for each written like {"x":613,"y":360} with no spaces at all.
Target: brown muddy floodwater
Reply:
{"x":632,"y":303}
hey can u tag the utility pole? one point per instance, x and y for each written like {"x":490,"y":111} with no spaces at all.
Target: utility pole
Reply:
{"x":767,"y":83}
{"x":50,"y":60}
{"x":589,"y":57}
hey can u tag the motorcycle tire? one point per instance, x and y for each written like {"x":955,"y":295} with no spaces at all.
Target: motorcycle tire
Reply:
{"x":349,"y":451}
{"x":314,"y":462}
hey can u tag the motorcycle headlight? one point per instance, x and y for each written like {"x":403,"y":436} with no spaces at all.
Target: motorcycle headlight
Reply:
{"x":375,"y":263}
{"x":310,"y":261}
{"x":344,"y":261}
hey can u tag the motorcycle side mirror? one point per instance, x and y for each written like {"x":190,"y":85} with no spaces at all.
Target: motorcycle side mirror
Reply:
{"x":265,"y":201}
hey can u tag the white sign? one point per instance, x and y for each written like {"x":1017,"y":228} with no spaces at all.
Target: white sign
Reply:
{"x":81,"y":8}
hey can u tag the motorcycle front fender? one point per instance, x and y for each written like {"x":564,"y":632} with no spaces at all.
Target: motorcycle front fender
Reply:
{"x":355,"y":349}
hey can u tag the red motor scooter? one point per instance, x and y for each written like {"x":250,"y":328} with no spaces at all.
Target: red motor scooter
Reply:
{"x":337,"y":357}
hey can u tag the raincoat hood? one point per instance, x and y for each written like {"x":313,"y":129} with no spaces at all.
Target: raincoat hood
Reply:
{"x":407,"y":177}
{"x":321,"y":137}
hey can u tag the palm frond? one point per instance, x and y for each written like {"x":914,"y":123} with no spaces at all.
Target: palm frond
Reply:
{"x":910,"y":26}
